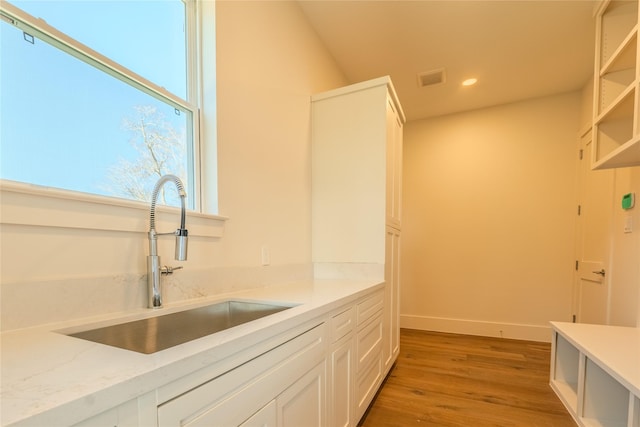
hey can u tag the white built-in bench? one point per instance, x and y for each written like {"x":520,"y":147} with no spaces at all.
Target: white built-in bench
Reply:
{"x":595,"y":371}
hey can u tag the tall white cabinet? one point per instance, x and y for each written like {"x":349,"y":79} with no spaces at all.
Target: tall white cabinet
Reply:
{"x":356,"y":204}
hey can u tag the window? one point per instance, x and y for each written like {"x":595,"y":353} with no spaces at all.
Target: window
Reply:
{"x":97,"y":99}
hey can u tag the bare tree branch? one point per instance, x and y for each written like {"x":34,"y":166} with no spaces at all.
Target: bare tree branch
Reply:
{"x":161,"y":150}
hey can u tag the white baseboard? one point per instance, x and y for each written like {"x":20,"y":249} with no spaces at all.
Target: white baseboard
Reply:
{"x":477,"y":327}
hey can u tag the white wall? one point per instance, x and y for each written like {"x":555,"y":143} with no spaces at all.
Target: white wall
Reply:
{"x":488,"y":219}
{"x":269,"y":63}
{"x":624,"y":298}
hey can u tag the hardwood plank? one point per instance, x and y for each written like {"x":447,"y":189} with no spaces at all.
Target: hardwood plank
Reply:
{"x":460,"y":380}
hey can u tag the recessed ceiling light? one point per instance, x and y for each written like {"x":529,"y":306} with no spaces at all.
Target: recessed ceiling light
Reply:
{"x":469,"y":82}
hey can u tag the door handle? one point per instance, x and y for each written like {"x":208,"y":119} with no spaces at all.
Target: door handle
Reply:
{"x":601,"y":272}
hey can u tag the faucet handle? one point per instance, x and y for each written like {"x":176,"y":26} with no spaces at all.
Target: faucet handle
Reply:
{"x":169,"y":270}
{"x":182,"y":239}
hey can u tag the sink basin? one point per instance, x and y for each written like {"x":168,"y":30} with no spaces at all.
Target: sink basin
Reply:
{"x":168,"y":330}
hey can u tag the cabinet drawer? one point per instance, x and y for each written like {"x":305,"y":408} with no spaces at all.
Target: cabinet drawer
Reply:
{"x":341,"y":324}
{"x":369,"y":307}
{"x":369,"y":344}
{"x":232,"y":398}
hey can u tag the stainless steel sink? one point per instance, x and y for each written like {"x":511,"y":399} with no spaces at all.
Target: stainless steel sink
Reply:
{"x":168,"y":330}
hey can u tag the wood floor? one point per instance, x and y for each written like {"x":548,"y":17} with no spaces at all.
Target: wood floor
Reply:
{"x":459,"y":380}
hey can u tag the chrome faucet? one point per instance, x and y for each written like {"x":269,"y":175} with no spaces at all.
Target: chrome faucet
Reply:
{"x":154,"y":271}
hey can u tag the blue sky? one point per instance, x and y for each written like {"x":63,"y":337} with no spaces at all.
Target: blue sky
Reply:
{"x":61,"y":119}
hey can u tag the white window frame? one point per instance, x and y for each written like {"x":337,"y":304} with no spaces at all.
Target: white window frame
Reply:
{"x":27,"y":204}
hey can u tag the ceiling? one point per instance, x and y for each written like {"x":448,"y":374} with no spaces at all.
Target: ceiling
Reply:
{"x":516,"y":49}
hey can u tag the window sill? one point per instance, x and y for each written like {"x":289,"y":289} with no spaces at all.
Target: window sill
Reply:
{"x":32,"y":205}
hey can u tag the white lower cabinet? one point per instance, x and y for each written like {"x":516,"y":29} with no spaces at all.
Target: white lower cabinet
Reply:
{"x":324,"y":373}
{"x":242,"y":393}
{"x":368,"y":352}
{"x":356,"y":360}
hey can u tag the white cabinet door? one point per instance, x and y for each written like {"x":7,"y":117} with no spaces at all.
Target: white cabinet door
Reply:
{"x":302,"y":404}
{"x":391,"y":331}
{"x":394,"y":165}
{"x":265,"y":417}
{"x":341,"y":392}
{"x":369,"y":364}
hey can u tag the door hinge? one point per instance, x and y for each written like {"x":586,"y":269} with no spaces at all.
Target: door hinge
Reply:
{"x":579,"y":209}
{"x":577,"y":264}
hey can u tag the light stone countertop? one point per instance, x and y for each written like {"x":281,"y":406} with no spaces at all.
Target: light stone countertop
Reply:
{"x":48,"y":378}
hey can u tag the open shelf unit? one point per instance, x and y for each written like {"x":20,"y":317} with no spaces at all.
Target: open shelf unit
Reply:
{"x":595,"y":371}
{"x":616,"y":126}
{"x":565,"y":378}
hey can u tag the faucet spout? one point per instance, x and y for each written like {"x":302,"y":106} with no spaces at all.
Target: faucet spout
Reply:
{"x":154,"y":271}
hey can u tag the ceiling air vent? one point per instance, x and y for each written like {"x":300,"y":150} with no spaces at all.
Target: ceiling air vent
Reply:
{"x":431,"y":78}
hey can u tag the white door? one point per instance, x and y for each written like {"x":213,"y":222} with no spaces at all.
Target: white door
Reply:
{"x":592,"y":240}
